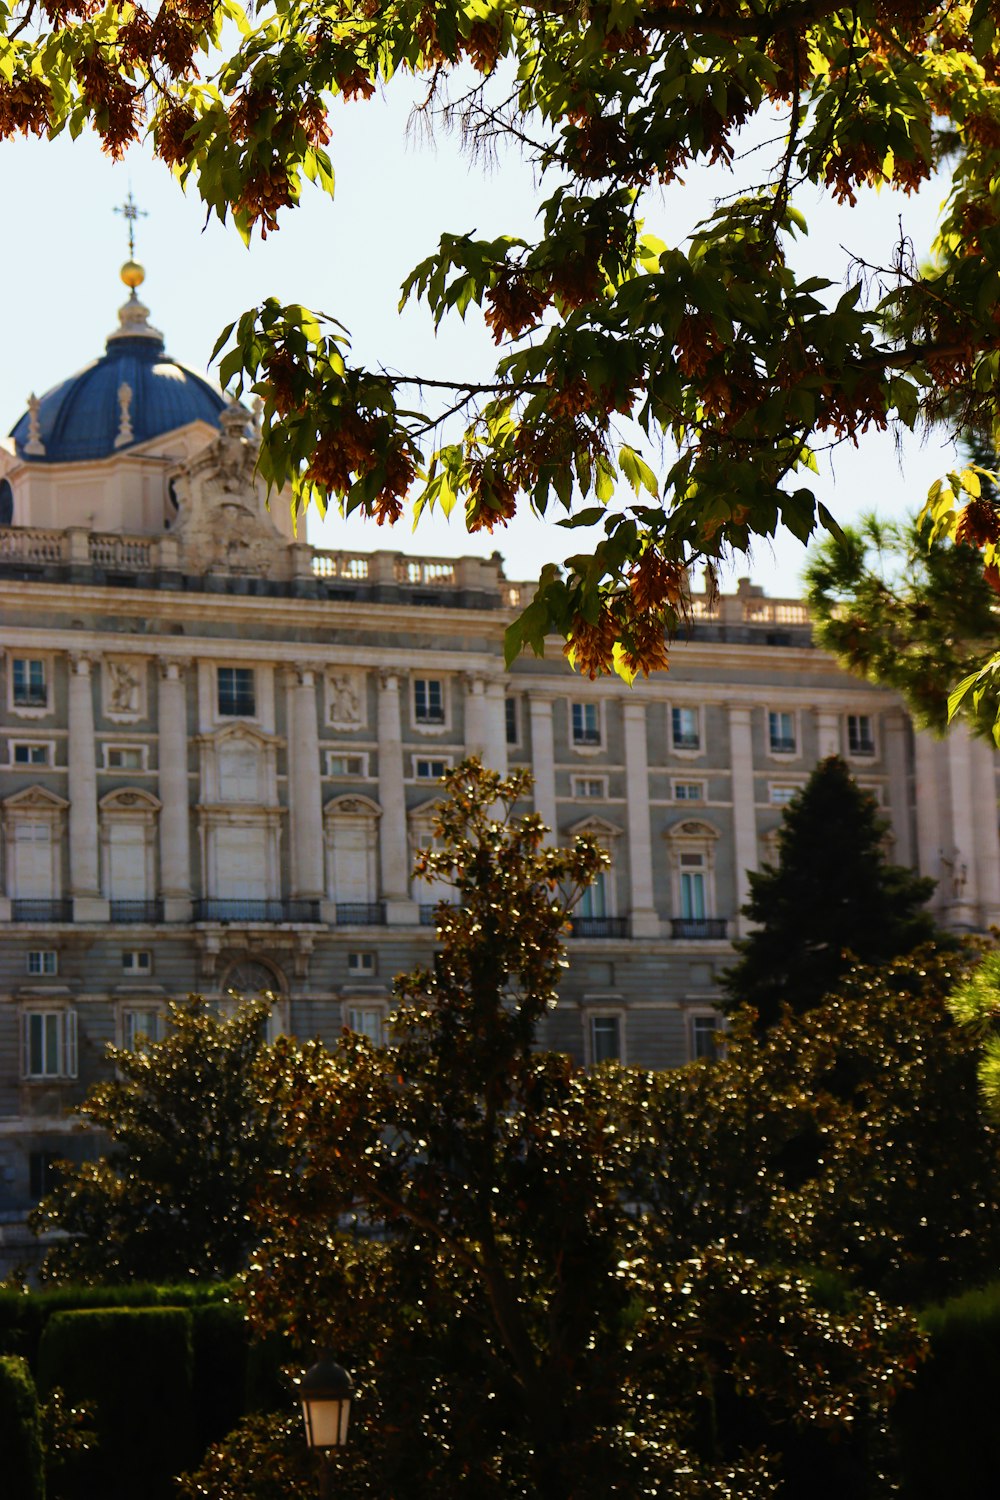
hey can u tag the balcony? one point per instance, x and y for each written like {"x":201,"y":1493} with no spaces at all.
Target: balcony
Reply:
{"x":698,"y":927}
{"x":361,"y":913}
{"x":41,"y":909}
{"x":782,"y":744}
{"x":598,"y":927}
{"x":136,"y":911}
{"x":428,"y":912}
{"x":268,"y":909}
{"x":687,"y":741}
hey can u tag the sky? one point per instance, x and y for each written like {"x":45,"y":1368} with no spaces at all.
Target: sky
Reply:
{"x":398,"y":186}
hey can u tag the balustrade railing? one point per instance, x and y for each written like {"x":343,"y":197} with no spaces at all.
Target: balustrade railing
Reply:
{"x":361,"y":913}
{"x":249,"y":909}
{"x":698,"y":927}
{"x":127,"y":554}
{"x":598,"y":927}
{"x":27,"y":545}
{"x":41,"y":909}
{"x":136,"y":911}
{"x":340,"y":565}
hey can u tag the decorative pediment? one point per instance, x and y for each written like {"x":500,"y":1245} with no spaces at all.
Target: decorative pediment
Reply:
{"x":131,"y":799}
{"x":34,"y":799}
{"x":239,"y":731}
{"x":595,"y":828}
{"x":692,"y":830}
{"x":351,"y":806}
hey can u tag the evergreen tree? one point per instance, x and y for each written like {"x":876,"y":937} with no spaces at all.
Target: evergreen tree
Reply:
{"x":833,"y":896}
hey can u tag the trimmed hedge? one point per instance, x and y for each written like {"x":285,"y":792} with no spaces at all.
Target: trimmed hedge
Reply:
{"x":947,"y":1423}
{"x":23,"y":1315}
{"x":136,"y":1366}
{"x":20,"y":1432}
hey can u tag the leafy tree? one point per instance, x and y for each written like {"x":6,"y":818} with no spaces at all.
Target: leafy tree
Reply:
{"x":832,"y":898}
{"x":502,"y":1285}
{"x":190,"y":1141}
{"x":912,"y":614}
{"x":717,"y":345}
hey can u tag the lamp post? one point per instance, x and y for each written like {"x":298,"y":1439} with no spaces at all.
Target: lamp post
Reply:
{"x":325,"y":1394}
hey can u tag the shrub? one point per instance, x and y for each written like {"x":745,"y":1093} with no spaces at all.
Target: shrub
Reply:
{"x":20,"y":1432}
{"x":135,"y":1365}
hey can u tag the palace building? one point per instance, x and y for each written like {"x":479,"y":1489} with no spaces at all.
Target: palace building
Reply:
{"x":220,"y":748}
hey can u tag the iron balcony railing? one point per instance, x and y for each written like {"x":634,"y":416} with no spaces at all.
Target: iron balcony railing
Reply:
{"x":41,"y":909}
{"x":698,"y":927}
{"x":270,"y":909}
{"x":598,"y":927}
{"x":361,"y":913}
{"x":782,"y":745}
{"x":136,"y":911}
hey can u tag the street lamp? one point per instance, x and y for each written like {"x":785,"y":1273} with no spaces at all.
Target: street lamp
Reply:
{"x":325,"y":1394}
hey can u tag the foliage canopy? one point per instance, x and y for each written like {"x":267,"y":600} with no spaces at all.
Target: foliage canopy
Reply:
{"x":832,"y":898}
{"x":612,"y":341}
{"x":190,"y":1141}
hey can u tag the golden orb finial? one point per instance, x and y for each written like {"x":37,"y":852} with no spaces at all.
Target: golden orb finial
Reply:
{"x":133,"y":274}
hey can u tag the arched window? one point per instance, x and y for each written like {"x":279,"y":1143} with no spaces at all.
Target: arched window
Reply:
{"x":6,"y":503}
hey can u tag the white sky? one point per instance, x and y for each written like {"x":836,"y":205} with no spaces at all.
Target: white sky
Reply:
{"x":61,"y":246}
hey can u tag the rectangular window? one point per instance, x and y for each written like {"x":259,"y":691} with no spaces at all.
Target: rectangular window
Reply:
{"x":369,"y":1021}
{"x":30,"y":755}
{"x":237,"y":698}
{"x":140,"y":1026}
{"x":345,"y":765}
{"x":781,"y":733}
{"x":860,"y":734}
{"x":704,"y":1037}
{"x":693,"y":904}
{"x":43,"y":961}
{"x":125,"y":757}
{"x":49,"y":1043}
{"x":43,"y":1173}
{"x":427,"y":769}
{"x":361,"y":963}
{"x":590,"y":787}
{"x":510,"y":715}
{"x":685,"y":729}
{"x":30,"y":689}
{"x":586,"y":724}
{"x":689,"y":791}
{"x":594,"y":901}
{"x":428,"y":700}
{"x":605,"y":1039}
{"x":137,"y":961}
{"x":779,"y":794}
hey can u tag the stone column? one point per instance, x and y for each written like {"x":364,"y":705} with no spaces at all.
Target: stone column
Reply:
{"x":987,"y":835}
{"x":930,"y":814}
{"x":643,"y":918}
{"x":744,"y":813}
{"x":496,"y":724}
{"x":175,"y":813}
{"x":305,"y":801}
{"x":895,"y":750}
{"x":960,"y":860}
{"x":394,"y":852}
{"x":84,"y":864}
{"x":827,"y":733}
{"x":543,"y":762}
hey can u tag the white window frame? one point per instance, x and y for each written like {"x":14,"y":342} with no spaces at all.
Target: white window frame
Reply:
{"x":603,"y":1011}
{"x":133,"y":969}
{"x":446,"y":760}
{"x":793,"y":715}
{"x":687,"y":752}
{"x":512,"y":701}
{"x":64,"y":1034}
{"x":864,"y":756}
{"x":46,"y":965}
{"x":704,"y":1013}
{"x":47,"y":763}
{"x":428,"y":725}
{"x":110,"y":748}
{"x":361,"y":968}
{"x":31,"y":710}
{"x":679,"y":781}
{"x":580,"y":781}
{"x":774,"y":787}
{"x":692,"y":836}
{"x":127,"y":1033}
{"x":359,"y":755}
{"x":586,"y":746}
{"x":355,"y":1006}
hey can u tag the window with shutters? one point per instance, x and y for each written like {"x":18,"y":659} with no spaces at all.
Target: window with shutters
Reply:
{"x":139,"y":1026}
{"x":32,"y":856}
{"x":48,"y":1043}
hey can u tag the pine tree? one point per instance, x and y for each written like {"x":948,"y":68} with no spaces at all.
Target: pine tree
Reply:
{"x":833,"y":895}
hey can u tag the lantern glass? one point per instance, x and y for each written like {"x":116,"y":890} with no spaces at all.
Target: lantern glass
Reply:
{"x":326,"y":1420}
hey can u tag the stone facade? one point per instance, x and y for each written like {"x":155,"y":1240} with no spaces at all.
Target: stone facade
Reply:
{"x":219,"y":748}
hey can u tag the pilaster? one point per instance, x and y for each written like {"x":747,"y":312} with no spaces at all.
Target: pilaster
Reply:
{"x":643,"y":918}
{"x":744,"y":813}
{"x":394,"y":854}
{"x":543,"y":761}
{"x":175,"y":829}
{"x":84,"y":865}
{"x":304,"y":792}
{"x":827,"y":733}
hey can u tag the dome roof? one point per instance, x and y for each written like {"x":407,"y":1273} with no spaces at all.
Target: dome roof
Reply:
{"x":91,"y":416}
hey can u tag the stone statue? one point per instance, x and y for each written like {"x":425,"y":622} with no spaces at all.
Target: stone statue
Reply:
{"x":123,"y":688}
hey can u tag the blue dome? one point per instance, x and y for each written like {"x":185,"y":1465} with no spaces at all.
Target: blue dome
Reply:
{"x":85,"y":417}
